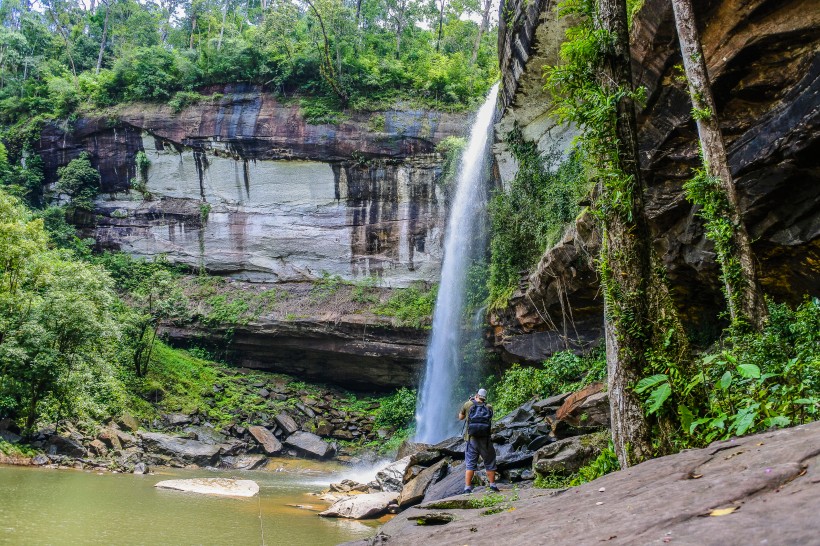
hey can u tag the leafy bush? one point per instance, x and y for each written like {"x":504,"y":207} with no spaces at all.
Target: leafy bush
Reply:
{"x":398,"y":410}
{"x":756,"y":381}
{"x":563,"y":372}
{"x":80,"y":181}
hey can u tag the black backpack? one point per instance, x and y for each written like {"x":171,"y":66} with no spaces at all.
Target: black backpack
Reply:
{"x":479,"y":420}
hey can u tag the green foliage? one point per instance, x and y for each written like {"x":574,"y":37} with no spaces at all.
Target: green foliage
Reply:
{"x":563,"y":372}
{"x":757,"y":381}
{"x":80,"y":181}
{"x":530,"y":216}
{"x":397,"y":410}
{"x":605,"y":463}
{"x":326,"y":287}
{"x":321,"y":110}
{"x":370,"y":56}
{"x":411,"y":306}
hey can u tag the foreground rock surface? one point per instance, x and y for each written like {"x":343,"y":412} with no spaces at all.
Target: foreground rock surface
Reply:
{"x":213,"y":486}
{"x":770,"y":480}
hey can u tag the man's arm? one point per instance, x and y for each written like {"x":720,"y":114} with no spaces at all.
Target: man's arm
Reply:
{"x":462,"y":414}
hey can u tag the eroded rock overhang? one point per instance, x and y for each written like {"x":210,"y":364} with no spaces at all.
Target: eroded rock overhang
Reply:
{"x":763,"y":60}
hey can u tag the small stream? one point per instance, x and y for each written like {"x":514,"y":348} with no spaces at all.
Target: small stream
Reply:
{"x":46,"y":506}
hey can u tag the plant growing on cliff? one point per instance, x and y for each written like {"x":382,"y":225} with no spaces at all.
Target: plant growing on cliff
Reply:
{"x":593,"y":89}
{"x":398,"y":410}
{"x":529,"y":216}
{"x":80,"y":181}
{"x":412,"y":306}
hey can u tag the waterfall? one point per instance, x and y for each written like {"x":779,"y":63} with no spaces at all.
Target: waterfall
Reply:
{"x":437,"y":407}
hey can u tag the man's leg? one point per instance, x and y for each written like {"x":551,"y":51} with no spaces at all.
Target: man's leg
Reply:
{"x":468,"y":478}
{"x":491,"y":476}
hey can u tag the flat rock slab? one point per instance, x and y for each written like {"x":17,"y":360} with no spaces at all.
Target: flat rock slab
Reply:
{"x":762,"y":489}
{"x":213,"y":486}
{"x":361,"y":506}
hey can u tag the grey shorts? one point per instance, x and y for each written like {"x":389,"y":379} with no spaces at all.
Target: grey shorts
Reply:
{"x":480,"y":447}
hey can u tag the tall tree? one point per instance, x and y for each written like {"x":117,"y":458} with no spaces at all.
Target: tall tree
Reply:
{"x":482,"y":28}
{"x":743,"y":293}
{"x":104,"y":36}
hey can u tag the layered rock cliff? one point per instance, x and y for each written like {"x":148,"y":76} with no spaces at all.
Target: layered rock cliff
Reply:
{"x":241,"y":185}
{"x":763,"y":60}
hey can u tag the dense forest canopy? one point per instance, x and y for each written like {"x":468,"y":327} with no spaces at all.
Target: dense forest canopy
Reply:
{"x":58,"y":57}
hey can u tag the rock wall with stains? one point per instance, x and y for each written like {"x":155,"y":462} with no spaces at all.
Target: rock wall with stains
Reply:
{"x":243,"y":185}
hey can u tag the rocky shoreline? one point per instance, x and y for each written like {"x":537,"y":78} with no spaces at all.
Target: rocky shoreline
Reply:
{"x":310,"y":426}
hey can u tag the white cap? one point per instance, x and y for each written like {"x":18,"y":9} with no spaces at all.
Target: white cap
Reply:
{"x":482,"y":393}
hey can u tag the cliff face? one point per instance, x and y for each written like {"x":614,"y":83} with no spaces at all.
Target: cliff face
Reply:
{"x":763,"y":61}
{"x":243,"y":185}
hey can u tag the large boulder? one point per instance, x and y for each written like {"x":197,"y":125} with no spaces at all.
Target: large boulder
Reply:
{"x":414,"y":490}
{"x":448,"y":486}
{"x":451,"y":447}
{"x":266,"y":439}
{"x":185,"y":450}
{"x":64,"y":445}
{"x":310,"y":445}
{"x":213,"y":486}
{"x":128,"y":422}
{"x":566,"y":456}
{"x":508,"y":456}
{"x":361,"y":506}
{"x":177,"y":419}
{"x":390,"y":478}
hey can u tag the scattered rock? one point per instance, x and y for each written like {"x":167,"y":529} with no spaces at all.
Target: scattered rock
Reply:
{"x":408,"y":448}
{"x":310,"y":445}
{"x":63,"y":445}
{"x":187,"y":450}
{"x":414,"y":490}
{"x":9,"y":436}
{"x":453,"y":447}
{"x":390,"y":478}
{"x":244,"y":462}
{"x":213,"y":486}
{"x":567,"y":456}
{"x":266,"y":439}
{"x":360,"y":506}
{"x":570,"y":408}
{"x":128,"y":422}
{"x":550,"y":404}
{"x":98,"y":447}
{"x":140,"y":468}
{"x":451,"y":485}
{"x":177,"y":419}
{"x":40,"y":459}
{"x":286,"y":423}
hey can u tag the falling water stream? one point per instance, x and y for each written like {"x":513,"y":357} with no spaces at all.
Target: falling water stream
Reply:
{"x":436,"y":406}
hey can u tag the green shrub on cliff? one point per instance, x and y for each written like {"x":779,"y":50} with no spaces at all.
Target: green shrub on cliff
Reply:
{"x":411,"y":306}
{"x":397,"y":410}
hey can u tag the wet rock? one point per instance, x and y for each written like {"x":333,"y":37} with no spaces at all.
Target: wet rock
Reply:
{"x":310,"y":445}
{"x":448,"y":486}
{"x":140,"y":468}
{"x":390,"y":478}
{"x":348,"y":486}
{"x":213,"y":486}
{"x":453,"y":447}
{"x":361,"y":506}
{"x":323,"y":428}
{"x":305,"y":410}
{"x":342,"y":434}
{"x":186,"y":450}
{"x":551,"y":404}
{"x":414,"y":490}
{"x":425,"y":458}
{"x":206,"y":434}
{"x":411,"y":472}
{"x":244,"y":462}
{"x":264,"y":393}
{"x":266,"y":439}
{"x":286,"y":423}
{"x":408,"y":447}
{"x":566,"y":456}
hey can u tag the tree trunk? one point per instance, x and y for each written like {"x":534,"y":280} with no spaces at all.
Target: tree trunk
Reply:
{"x":440,"y":23}
{"x":745,"y":298}
{"x":639,"y":311}
{"x":222,"y":28}
{"x":104,"y":38}
{"x":485,"y":23}
{"x":193,"y":30}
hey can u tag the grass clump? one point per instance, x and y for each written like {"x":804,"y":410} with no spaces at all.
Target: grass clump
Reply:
{"x":411,"y":306}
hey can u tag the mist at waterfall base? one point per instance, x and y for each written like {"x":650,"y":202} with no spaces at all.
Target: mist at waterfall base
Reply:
{"x":437,"y":403}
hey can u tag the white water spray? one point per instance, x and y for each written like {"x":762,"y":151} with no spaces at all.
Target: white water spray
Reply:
{"x":436,"y":407}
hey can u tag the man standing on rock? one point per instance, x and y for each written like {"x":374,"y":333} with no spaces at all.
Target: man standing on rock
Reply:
{"x":479,"y":417}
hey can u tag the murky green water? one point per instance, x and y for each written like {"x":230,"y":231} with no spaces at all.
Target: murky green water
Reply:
{"x":43,"y":506}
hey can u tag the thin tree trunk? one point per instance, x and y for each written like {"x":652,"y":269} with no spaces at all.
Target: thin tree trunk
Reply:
{"x":638,"y":307}
{"x":485,"y":23}
{"x":104,"y":38}
{"x":222,"y":28}
{"x":745,"y":298}
{"x":440,"y":23}
{"x":193,"y":30}
{"x":326,"y":67}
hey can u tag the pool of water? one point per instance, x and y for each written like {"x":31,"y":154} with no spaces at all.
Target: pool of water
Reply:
{"x":47,"y":506}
